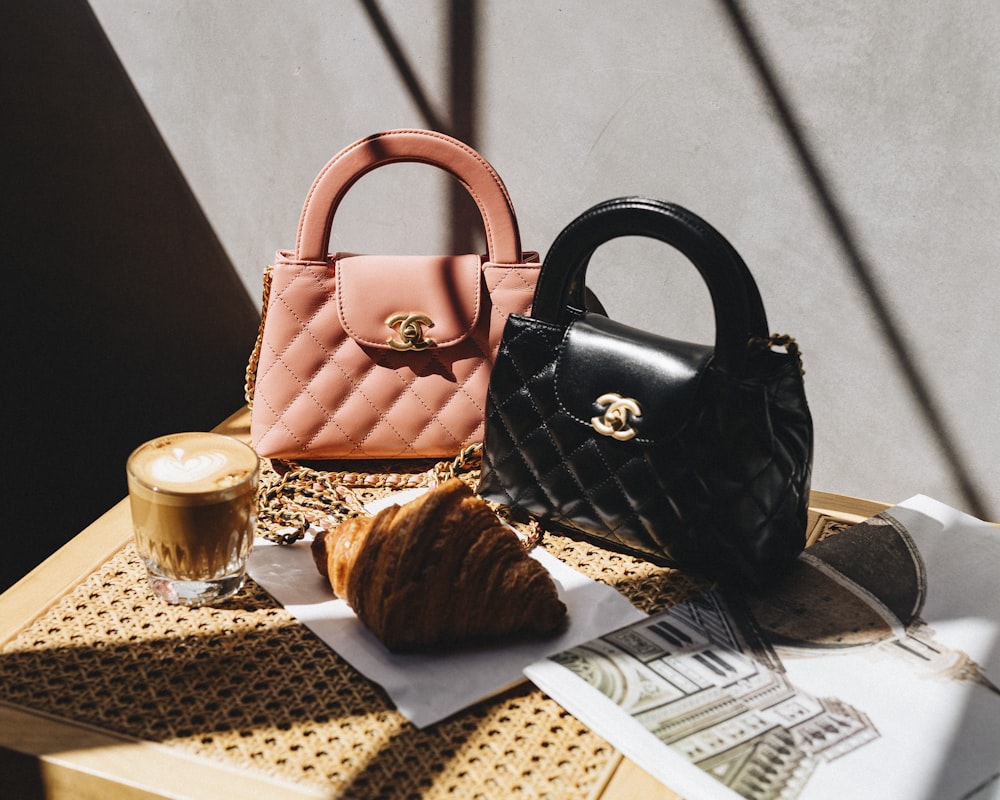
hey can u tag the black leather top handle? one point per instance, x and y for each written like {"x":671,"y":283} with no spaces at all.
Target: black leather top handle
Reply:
{"x":739,"y":312}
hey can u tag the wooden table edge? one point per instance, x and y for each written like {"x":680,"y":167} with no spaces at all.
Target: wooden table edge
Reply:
{"x":37,"y":591}
{"x":844,"y":507}
{"x":44,"y":756}
{"x":34,"y":594}
{"x":149,"y":770}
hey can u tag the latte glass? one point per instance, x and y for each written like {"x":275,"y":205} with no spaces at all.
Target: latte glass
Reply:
{"x":193,"y":501}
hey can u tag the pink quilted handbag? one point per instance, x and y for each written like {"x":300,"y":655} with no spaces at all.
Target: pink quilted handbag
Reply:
{"x":364,"y":356}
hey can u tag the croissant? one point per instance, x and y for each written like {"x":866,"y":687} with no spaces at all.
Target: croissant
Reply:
{"x":438,"y":570}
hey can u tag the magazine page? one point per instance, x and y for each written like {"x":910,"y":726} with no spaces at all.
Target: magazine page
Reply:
{"x":871,"y":671}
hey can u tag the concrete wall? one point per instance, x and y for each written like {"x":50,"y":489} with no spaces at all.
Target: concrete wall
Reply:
{"x":897,"y":102}
{"x":122,"y":316}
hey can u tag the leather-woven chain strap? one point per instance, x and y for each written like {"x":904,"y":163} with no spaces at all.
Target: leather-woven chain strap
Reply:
{"x":780,"y":340}
{"x":293,"y":498}
{"x":250,"y":381}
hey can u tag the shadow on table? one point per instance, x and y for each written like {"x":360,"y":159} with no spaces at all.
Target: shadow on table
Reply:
{"x":244,"y":684}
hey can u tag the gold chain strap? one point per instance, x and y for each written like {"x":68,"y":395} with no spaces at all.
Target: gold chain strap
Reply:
{"x":780,"y":340}
{"x":468,"y":459}
{"x":251,"y":374}
{"x":294,"y":498}
{"x":290,"y":502}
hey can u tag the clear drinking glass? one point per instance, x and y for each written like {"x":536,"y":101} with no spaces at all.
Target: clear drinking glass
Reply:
{"x":194,"y":509}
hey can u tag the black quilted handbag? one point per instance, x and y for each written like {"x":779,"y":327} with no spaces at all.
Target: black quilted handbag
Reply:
{"x":686,"y":455}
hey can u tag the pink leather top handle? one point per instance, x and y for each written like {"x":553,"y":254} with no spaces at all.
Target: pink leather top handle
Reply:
{"x":427,"y":147}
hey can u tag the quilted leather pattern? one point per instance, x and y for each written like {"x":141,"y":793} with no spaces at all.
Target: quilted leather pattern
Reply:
{"x":377,"y":357}
{"x":722,"y":491}
{"x":322,"y":394}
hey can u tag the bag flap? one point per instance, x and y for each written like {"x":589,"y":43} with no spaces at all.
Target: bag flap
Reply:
{"x":651,"y":380}
{"x":408,"y":302}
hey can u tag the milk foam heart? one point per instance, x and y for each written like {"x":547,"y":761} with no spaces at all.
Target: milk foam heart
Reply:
{"x":193,"y":502}
{"x":193,"y":467}
{"x":175,"y":468}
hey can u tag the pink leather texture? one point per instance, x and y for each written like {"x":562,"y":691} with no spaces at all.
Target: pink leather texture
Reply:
{"x":425,"y":147}
{"x":332,"y":381}
{"x":370,"y":289}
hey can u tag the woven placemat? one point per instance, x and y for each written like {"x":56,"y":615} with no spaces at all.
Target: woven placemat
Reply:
{"x":247,"y":684}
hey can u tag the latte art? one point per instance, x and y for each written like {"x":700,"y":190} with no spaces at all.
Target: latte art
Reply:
{"x":188,"y":464}
{"x":176,"y":468}
{"x":193,"y":503}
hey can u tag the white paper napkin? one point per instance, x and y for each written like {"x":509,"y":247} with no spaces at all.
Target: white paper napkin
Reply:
{"x":428,"y":687}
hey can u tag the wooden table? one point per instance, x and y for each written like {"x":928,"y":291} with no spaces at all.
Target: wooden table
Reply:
{"x":44,"y":755}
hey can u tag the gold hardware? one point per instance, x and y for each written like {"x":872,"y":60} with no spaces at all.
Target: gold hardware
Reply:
{"x":618,"y":412}
{"x":410,"y":327}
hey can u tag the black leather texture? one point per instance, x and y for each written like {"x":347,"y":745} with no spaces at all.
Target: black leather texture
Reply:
{"x":712,"y":474}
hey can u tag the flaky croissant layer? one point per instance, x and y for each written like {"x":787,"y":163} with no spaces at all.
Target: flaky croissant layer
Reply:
{"x":440,"y":569}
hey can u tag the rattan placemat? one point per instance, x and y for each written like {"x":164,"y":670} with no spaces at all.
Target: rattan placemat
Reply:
{"x":247,"y":684}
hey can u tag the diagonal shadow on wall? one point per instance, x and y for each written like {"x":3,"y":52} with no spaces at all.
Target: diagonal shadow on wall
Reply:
{"x":863,"y":273}
{"x":459,"y":117}
{"x":858,"y":263}
{"x":122,"y":316}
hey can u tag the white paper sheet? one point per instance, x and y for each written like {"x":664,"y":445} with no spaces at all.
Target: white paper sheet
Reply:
{"x":904,"y":710}
{"x":939,"y":729}
{"x":428,"y":688}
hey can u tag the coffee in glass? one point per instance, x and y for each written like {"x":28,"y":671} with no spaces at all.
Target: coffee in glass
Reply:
{"x":193,"y":501}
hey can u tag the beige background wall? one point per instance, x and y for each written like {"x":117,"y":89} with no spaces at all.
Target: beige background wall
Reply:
{"x":576,"y":102}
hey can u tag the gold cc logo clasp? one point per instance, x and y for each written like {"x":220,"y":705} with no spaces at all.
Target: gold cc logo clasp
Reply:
{"x":618,"y":413}
{"x":410,"y":328}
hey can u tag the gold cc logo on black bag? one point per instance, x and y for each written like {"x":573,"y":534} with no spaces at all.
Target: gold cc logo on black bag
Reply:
{"x":410,"y":328}
{"x":618,"y":413}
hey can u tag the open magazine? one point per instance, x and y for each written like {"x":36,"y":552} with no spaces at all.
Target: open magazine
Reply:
{"x":871,"y":671}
